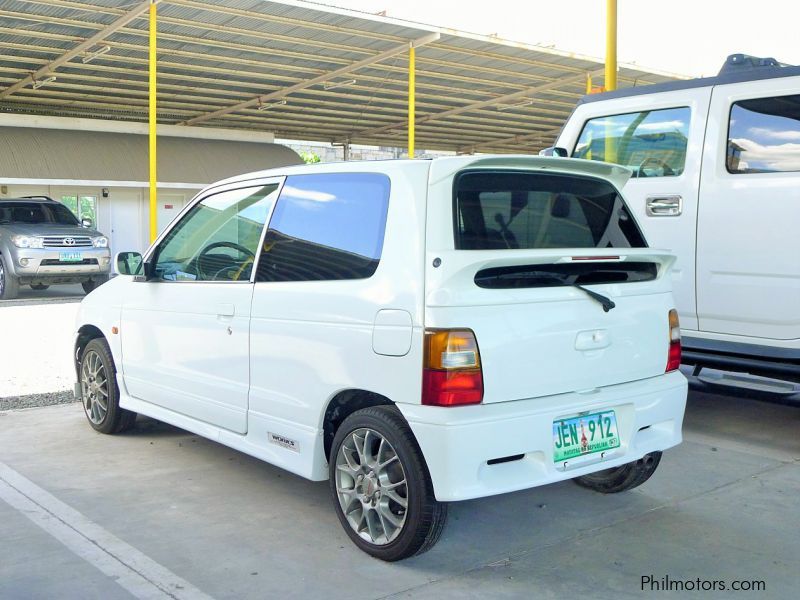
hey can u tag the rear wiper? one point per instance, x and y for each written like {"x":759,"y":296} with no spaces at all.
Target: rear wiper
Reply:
{"x":607,"y":303}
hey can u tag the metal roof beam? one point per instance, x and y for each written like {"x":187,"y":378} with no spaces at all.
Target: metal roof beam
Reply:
{"x":555,"y":83}
{"x":278,"y":94}
{"x":86,"y":44}
{"x":516,"y":139}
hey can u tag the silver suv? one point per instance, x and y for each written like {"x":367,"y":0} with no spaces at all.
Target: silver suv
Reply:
{"x":42,"y":243}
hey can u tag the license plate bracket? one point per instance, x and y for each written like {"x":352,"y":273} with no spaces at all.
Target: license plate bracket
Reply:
{"x":584,"y":435}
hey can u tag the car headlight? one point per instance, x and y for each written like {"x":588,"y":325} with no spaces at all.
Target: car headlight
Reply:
{"x":100,"y":242}
{"x":27,"y":241}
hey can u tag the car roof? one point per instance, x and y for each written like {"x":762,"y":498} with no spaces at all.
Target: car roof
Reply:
{"x":754,"y":74}
{"x":38,"y":200}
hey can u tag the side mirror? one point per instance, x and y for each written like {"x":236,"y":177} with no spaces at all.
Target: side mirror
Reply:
{"x":87,"y":222}
{"x":554,"y":151}
{"x":129,"y":263}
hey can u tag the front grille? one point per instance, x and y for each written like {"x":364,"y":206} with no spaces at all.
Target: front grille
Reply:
{"x":49,"y":262}
{"x":67,"y":241}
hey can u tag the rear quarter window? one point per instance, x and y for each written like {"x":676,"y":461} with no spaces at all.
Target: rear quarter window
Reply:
{"x":509,"y":210}
{"x":327,"y":226}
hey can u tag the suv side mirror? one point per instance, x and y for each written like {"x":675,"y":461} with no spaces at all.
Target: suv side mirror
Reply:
{"x":128,"y":263}
{"x":86,"y":222}
{"x":554,"y":151}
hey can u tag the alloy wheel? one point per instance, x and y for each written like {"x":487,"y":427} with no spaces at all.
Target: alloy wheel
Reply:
{"x":94,"y":387}
{"x":371,"y":486}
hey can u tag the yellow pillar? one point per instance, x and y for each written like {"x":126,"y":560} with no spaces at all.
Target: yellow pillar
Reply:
{"x":610,"y":142}
{"x":153,"y":121}
{"x":611,"y":45}
{"x":412,"y":84}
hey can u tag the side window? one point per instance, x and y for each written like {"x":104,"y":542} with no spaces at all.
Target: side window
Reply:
{"x":764,"y":135}
{"x":326,"y":226}
{"x":217,"y":240}
{"x":651,"y":143}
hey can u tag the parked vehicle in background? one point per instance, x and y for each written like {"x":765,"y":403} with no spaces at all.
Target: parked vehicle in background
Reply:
{"x":716,"y":179}
{"x":43,"y":244}
{"x":416,"y":332}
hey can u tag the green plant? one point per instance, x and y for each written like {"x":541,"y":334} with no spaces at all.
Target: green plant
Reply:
{"x":310,"y":157}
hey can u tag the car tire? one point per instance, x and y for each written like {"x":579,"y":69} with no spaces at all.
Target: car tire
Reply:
{"x":621,"y":479}
{"x":93,"y":284}
{"x":9,"y":285}
{"x":369,"y":486}
{"x":97,"y":377}
{"x":39,"y":286}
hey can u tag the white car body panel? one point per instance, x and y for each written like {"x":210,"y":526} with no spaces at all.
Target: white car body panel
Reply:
{"x":308,"y":341}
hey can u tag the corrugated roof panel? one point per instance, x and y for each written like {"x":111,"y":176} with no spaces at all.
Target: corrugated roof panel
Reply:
{"x":217,"y":54}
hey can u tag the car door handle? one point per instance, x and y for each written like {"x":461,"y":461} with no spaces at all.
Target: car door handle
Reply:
{"x":226,"y":310}
{"x":664,"y":206}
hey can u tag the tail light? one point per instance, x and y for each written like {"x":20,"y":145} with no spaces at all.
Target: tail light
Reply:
{"x":674,"y":357}
{"x":451,"y":373}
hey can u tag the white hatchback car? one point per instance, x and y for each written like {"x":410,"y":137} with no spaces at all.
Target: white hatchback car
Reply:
{"x":416,"y":332}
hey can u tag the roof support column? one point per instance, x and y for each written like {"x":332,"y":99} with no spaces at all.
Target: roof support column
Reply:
{"x":153,"y":122}
{"x":412,"y":100}
{"x":611,"y":46}
{"x":610,"y":142}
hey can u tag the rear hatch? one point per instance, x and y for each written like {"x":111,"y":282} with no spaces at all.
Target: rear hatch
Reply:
{"x":543,"y":261}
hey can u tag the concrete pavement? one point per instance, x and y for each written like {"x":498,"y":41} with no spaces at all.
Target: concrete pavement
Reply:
{"x":722,"y":506}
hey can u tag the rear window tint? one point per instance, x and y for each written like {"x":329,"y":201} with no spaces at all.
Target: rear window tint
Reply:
{"x":516,"y":210}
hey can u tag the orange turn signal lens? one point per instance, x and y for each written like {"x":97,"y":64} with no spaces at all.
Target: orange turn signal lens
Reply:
{"x":447,"y":349}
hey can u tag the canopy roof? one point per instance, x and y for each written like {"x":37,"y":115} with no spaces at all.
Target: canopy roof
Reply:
{"x":298,"y":69}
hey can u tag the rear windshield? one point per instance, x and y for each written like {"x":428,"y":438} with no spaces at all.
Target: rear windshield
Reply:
{"x":509,"y":210}
{"x":36,"y":213}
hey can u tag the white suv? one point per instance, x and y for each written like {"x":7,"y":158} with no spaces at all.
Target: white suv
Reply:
{"x":416,"y":332}
{"x":716,"y":165}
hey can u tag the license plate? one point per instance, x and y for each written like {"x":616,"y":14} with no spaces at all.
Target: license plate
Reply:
{"x":587,"y":434}
{"x":70,"y":257}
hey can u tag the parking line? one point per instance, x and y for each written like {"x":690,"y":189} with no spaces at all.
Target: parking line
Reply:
{"x":141,"y":576}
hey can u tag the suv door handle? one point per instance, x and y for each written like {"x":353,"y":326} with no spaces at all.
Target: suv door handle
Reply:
{"x":664,"y":206}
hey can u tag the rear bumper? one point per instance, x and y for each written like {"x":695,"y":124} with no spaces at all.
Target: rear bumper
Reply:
{"x":33,"y":265}
{"x":458,"y":442}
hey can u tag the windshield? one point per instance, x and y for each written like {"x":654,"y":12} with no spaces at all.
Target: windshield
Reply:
{"x":36,"y":213}
{"x":531,"y":210}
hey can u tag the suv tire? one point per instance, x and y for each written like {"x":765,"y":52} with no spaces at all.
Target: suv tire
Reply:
{"x":9,"y":285}
{"x":375,"y":468}
{"x":93,"y":284}
{"x":621,"y":479}
{"x":97,"y":377}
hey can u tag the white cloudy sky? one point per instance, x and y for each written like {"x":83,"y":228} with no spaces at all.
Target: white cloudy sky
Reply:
{"x":690,"y":37}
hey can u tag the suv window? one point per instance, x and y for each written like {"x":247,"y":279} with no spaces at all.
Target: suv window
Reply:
{"x":36,"y":213}
{"x":651,"y":143}
{"x":327,"y":226}
{"x":764,"y":135}
{"x":511,"y":210}
{"x":217,"y":240}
